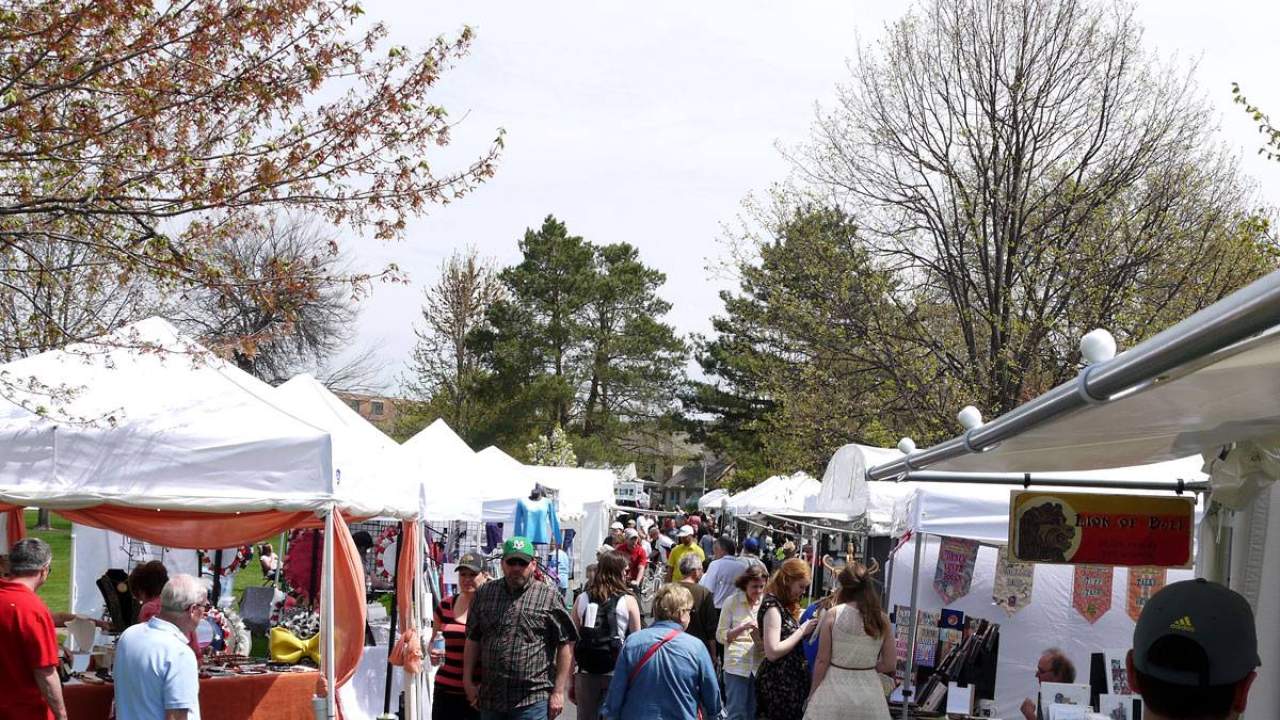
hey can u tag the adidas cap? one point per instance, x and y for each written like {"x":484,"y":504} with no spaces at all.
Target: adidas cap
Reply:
{"x":1212,"y":616}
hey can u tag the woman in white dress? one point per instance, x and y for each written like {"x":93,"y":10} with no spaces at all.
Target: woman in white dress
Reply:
{"x":856,"y":644}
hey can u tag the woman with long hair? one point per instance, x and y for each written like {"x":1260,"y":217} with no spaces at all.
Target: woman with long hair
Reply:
{"x":782,"y":685}
{"x":855,"y":644}
{"x":739,"y":633}
{"x":450,"y":701}
{"x":605,"y":614}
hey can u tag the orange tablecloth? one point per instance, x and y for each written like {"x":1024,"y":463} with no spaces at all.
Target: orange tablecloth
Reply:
{"x":276,"y":696}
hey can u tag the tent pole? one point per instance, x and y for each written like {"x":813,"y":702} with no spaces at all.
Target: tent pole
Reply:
{"x":416,"y":687}
{"x":217,"y":577}
{"x":284,"y":545}
{"x":331,"y":704}
{"x":1029,"y":479}
{"x":391,"y":641}
{"x":908,"y":682}
{"x":1246,"y":312}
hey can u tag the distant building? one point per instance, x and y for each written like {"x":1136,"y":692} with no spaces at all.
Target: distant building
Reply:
{"x":380,"y":411}
{"x":689,"y":482}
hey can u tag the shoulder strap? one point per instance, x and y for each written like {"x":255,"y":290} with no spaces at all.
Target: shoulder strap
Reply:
{"x":649,"y":654}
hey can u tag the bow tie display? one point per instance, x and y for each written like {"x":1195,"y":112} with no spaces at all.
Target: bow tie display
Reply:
{"x":289,"y":648}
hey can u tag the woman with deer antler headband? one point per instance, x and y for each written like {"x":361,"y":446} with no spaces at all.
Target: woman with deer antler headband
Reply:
{"x":855,"y":644}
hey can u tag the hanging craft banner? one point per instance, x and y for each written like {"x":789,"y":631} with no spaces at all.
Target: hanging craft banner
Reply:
{"x":954,"y":573}
{"x":1143,"y":583}
{"x":1091,"y":592}
{"x":1095,"y":529}
{"x":1011,"y":588}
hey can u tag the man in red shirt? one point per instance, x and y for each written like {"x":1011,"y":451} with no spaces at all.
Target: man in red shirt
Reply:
{"x":28,"y":646}
{"x":631,"y":547}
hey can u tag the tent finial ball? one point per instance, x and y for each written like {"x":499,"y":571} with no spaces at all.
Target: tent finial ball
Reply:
{"x":970,"y":417}
{"x":907,"y":445}
{"x":1097,"y":346}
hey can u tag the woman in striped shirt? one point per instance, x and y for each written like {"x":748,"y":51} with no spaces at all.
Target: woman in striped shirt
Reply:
{"x":450,"y":700}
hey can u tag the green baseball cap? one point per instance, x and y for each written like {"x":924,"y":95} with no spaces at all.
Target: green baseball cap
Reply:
{"x":517,"y":547}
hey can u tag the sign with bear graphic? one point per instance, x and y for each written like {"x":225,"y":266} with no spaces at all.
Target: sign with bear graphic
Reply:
{"x":1101,"y":529}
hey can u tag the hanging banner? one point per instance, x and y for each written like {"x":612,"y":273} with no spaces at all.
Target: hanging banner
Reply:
{"x":954,"y":573}
{"x":1093,"y":529}
{"x":1091,"y":592}
{"x":1143,"y":583}
{"x":1011,"y":588}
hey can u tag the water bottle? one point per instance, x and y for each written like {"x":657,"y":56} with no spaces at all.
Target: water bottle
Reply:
{"x":437,"y":649}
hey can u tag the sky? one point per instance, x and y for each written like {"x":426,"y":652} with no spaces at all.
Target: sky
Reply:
{"x":651,"y":124}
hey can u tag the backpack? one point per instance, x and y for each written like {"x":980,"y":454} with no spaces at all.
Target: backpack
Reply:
{"x":598,"y":646}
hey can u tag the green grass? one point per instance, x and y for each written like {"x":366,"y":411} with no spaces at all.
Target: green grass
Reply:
{"x":56,"y":593}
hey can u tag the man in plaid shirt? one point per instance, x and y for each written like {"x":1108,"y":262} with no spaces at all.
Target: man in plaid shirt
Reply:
{"x":517,"y":630}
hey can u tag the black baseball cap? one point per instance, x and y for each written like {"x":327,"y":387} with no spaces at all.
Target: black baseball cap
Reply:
{"x":472,"y":561}
{"x":1212,"y":616}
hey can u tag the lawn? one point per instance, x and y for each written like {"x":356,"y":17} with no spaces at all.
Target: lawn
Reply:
{"x":56,"y":593}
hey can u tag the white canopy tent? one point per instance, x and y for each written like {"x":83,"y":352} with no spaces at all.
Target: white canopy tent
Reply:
{"x":981,"y":512}
{"x":713,"y":500}
{"x":779,"y":495}
{"x":450,"y":473}
{"x":1206,"y":386}
{"x":506,"y":480}
{"x":363,"y":455}
{"x":845,"y":490}
{"x":147,"y":419}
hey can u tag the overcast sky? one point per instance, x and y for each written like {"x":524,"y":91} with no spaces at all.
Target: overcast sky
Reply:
{"x":649,"y":124}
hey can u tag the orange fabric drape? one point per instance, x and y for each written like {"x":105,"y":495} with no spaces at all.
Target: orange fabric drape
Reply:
{"x":15,"y":523}
{"x":188,"y":529}
{"x":196,"y":530}
{"x":407,"y":652}
{"x":349,"y":610}
{"x":409,"y":568}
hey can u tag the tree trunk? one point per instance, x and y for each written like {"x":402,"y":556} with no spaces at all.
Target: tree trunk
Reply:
{"x":44,"y":520}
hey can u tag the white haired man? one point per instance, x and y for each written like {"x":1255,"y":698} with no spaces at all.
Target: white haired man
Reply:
{"x":28,"y":645}
{"x":156,"y":673}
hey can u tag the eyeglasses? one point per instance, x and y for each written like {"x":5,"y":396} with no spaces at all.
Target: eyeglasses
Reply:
{"x":516,"y":562}
{"x":204,"y":607}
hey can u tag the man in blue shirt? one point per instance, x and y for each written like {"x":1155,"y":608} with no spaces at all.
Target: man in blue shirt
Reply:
{"x":662,"y":671}
{"x":156,"y":673}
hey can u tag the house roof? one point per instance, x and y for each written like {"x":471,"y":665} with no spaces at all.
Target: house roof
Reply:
{"x":690,"y":476}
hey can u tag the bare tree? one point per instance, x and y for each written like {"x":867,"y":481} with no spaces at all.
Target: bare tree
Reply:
{"x":291,"y":307}
{"x":443,"y":368}
{"x":1026,"y":171}
{"x":58,"y":289}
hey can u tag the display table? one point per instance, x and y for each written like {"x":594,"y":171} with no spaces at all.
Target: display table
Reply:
{"x":274,"y":696}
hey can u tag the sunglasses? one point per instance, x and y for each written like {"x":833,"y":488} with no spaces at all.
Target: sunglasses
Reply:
{"x":203,"y":606}
{"x":516,"y":562}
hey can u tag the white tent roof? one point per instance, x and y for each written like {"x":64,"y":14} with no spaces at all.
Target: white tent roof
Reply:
{"x":449,"y":472}
{"x":981,"y":512}
{"x":154,"y":420}
{"x":712,"y":500}
{"x":364,"y":458}
{"x":780,"y":494}
{"x":844,"y":487}
{"x":577,"y":487}
{"x":1228,"y":397}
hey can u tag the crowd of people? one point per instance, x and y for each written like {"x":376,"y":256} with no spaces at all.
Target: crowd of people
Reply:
{"x":730,"y":638}
{"x":725,"y":639}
